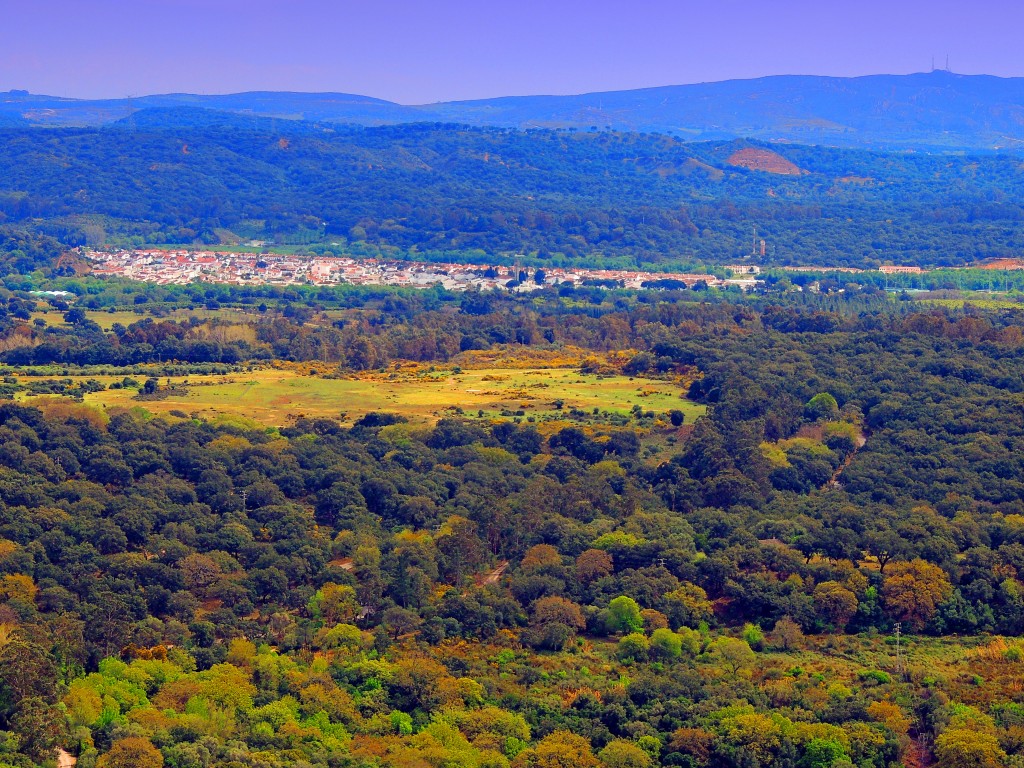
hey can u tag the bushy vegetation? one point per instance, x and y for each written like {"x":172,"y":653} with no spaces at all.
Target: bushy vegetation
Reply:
{"x":180,"y":593}
{"x":558,"y":197}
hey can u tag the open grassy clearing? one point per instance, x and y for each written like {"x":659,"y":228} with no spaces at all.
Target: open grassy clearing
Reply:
{"x":105,"y":319}
{"x":845,"y":658}
{"x":981,"y":301}
{"x":274,"y":397}
{"x":282,"y":250}
{"x":974,"y":668}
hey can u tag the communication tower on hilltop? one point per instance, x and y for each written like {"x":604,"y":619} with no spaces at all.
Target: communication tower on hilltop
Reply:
{"x":758,"y":246}
{"x":131,"y":113}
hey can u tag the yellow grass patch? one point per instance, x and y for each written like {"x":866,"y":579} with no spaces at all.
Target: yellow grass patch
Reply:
{"x":279,"y":395}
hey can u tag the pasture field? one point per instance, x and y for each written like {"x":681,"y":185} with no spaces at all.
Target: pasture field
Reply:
{"x":276,"y":396}
{"x":981,"y":302}
{"x":105,"y":319}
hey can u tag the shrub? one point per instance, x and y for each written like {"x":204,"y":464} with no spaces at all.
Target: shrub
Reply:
{"x":634,"y":646}
{"x":624,"y":615}
{"x":666,"y":645}
{"x":754,"y":636}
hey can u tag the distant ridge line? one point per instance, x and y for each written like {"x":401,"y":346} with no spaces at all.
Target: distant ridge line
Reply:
{"x":937,"y":110}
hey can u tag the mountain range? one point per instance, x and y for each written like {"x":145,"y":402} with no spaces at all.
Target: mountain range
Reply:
{"x":939,"y":110}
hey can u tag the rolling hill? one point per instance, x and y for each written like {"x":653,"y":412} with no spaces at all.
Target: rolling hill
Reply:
{"x":937,"y":111}
{"x":603,"y":198}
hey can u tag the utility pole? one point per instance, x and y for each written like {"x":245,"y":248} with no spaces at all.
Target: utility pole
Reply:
{"x":899,"y":650}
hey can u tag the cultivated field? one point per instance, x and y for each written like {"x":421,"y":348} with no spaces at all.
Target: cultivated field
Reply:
{"x":275,"y":397}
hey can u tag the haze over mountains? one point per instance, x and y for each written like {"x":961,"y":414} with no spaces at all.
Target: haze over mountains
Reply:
{"x":936,"y":110}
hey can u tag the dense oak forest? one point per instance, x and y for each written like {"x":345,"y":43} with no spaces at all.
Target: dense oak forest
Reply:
{"x":826,"y":570}
{"x":478,"y":592}
{"x":431,"y":191}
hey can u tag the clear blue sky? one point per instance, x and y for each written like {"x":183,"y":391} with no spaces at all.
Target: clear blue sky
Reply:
{"x":434,"y":50}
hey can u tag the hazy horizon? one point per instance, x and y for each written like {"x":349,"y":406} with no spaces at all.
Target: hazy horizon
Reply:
{"x":937,"y":69}
{"x":414,"y":53}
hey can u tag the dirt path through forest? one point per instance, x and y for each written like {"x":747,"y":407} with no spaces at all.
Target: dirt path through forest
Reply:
{"x":917,"y":755}
{"x":846,"y":462}
{"x":492,"y":577}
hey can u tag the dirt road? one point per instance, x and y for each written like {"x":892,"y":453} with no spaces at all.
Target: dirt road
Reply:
{"x":492,"y":577}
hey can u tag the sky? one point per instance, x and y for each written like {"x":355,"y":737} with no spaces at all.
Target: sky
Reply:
{"x":440,"y":50}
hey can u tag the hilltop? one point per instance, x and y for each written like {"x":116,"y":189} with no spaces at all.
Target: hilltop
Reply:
{"x":764,"y":160}
{"x":603,"y":199}
{"x":938,"y":110}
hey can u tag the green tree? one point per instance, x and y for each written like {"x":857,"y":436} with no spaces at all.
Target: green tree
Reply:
{"x":560,"y":749}
{"x":822,"y":406}
{"x":666,"y":645}
{"x":687,"y":606}
{"x":969,"y":748}
{"x":914,"y":590}
{"x":835,"y":603}
{"x":758,"y":733}
{"x":401,"y":723}
{"x":634,"y":646}
{"x":620,"y":753}
{"x":754,"y":636}
{"x":40,"y":727}
{"x":823,"y":753}
{"x":334,"y":603}
{"x":27,"y":671}
{"x":624,"y":615}
{"x":132,"y":752}
{"x":734,"y":655}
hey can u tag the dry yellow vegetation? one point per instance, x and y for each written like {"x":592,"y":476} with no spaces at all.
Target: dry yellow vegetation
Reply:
{"x":278,"y":395}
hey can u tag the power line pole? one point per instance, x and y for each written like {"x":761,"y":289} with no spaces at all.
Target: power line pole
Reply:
{"x":899,"y":649}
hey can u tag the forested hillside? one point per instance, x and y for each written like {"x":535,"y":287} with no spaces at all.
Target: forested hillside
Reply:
{"x":557,"y":197}
{"x":486,"y":592}
{"x":24,"y":252}
{"x":937,"y":110}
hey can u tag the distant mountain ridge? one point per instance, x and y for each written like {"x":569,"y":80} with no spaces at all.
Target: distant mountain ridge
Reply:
{"x":938,"y":110}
